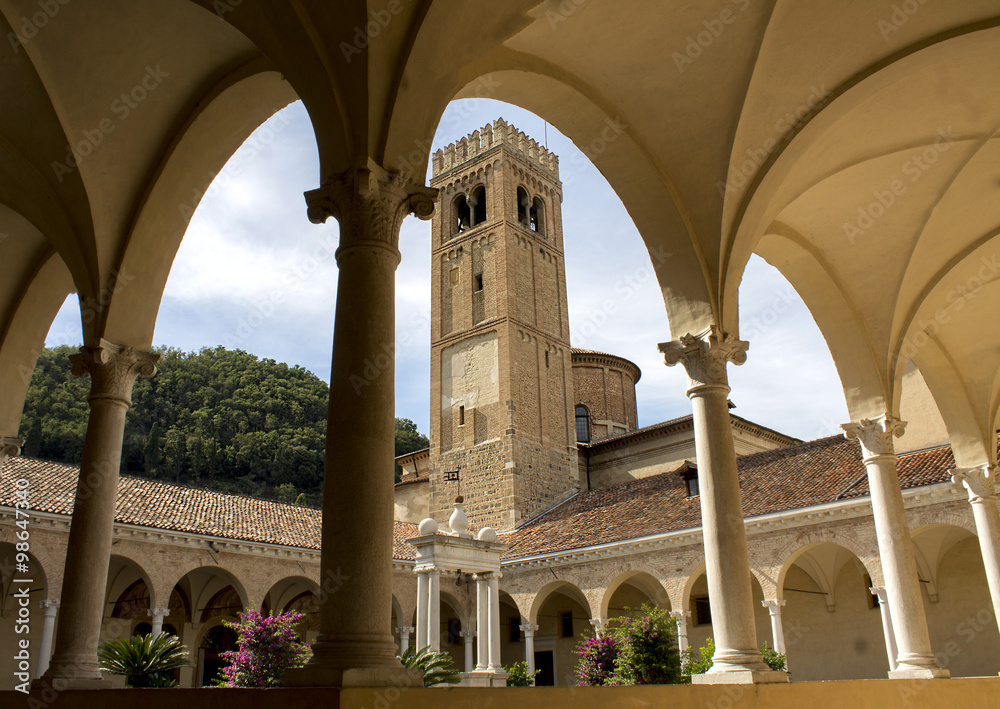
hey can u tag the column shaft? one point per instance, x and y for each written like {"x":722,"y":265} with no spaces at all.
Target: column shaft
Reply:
{"x":482,"y":623}
{"x":113,"y":370}
{"x":899,"y":565}
{"x":423,"y":593}
{"x":890,"y":637}
{"x":529,"y":648}
{"x":980,"y":483}
{"x":467,"y":640}
{"x":434,"y":610}
{"x":48,"y":628}
{"x":355,"y":642}
{"x":777,"y":631}
{"x":493,"y":583}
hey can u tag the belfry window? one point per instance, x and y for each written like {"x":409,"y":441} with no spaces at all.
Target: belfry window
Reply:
{"x":536,"y":216}
{"x":582,"y":424}
{"x":463,"y":215}
{"x":478,"y":208}
{"x":523,"y":205}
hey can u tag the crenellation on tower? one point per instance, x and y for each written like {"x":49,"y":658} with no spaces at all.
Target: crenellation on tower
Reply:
{"x":490,"y":136}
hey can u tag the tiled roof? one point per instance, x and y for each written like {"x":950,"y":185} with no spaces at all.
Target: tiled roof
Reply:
{"x":149,"y":503}
{"x":803,"y":475}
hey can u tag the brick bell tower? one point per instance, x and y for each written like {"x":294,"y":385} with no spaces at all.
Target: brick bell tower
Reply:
{"x":502,"y":428}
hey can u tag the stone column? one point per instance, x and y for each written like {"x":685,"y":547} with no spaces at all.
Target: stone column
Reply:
{"x":529,"y":647}
{"x":113,"y":370}
{"x":598,"y":624}
{"x":467,"y":640}
{"x":9,"y":448}
{"x":777,"y":632}
{"x":890,"y":637}
{"x":482,"y":622}
{"x":434,"y":610}
{"x":493,"y":584}
{"x":682,"y":631}
{"x":157,"y":614}
{"x":404,"y":637}
{"x":423,"y":593}
{"x":355,"y":644}
{"x":727,"y":566}
{"x":980,"y":482}
{"x":49,"y":609}
{"x":895,"y":547}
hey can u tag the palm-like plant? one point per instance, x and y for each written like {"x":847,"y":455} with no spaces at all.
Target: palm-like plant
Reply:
{"x":145,"y":660}
{"x":436,"y":666}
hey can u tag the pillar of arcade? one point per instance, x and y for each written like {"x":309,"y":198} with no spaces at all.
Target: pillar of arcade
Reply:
{"x":355,"y":645}
{"x":980,"y":482}
{"x":113,"y":370}
{"x":914,"y":657}
{"x":705,"y":357}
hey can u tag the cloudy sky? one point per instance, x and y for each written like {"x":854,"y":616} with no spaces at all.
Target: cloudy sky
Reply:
{"x":253,"y":273}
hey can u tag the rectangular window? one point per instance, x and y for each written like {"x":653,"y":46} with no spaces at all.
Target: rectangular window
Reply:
{"x":546,"y":358}
{"x":461,"y":415}
{"x":479,"y":282}
{"x":702,"y":611}
{"x":566,"y":624}
{"x":692,"y":485}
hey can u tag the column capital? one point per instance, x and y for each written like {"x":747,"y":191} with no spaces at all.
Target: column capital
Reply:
{"x":370,"y":202}
{"x":467,"y":635}
{"x":9,"y":448}
{"x":774,"y":605}
{"x":880,"y":592}
{"x":528,"y":628}
{"x":113,"y":369}
{"x":980,"y":482}
{"x":875,"y":435}
{"x":681,"y":616}
{"x":162,"y":612}
{"x":705,"y":356}
{"x":48,"y":604}
{"x":599,"y":624}
{"x":404,"y":629}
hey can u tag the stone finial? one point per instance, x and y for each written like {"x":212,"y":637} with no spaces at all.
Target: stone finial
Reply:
{"x":487,"y":534}
{"x":427,"y":527}
{"x":458,"y":522}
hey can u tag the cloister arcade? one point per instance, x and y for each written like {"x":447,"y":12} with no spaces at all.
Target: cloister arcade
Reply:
{"x":852,"y":148}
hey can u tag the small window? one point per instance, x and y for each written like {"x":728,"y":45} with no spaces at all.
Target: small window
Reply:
{"x":536,"y":216}
{"x":582,"y":424}
{"x":478,"y":208}
{"x":691,"y":480}
{"x":461,"y":415}
{"x":546,"y":358}
{"x":523,"y":205}
{"x":479,"y":282}
{"x":514,"y":629}
{"x":566,"y":624}
{"x":702,"y":611}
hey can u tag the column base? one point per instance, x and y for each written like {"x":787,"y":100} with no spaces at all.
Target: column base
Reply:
{"x":920,"y":673}
{"x":321,"y":676}
{"x":483,"y":678}
{"x":741,"y":677}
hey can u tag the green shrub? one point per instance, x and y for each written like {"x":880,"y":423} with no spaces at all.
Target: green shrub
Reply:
{"x":436,"y":666}
{"x":648,"y":648}
{"x":518,"y":675}
{"x":700,"y":661}
{"x":145,"y":660}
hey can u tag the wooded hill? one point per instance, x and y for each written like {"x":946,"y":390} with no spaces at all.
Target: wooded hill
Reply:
{"x":218,"y":419}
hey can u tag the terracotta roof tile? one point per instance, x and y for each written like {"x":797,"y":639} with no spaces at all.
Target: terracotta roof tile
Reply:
{"x":798,"y":476}
{"x":149,"y":503}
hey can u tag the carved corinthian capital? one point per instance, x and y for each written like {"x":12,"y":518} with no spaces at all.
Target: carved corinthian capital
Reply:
{"x":705,"y":356}
{"x":370,"y":203}
{"x":113,"y":369}
{"x":980,"y":482}
{"x":9,"y":448}
{"x":875,"y":435}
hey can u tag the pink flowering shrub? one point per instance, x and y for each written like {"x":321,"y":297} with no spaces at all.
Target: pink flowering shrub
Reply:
{"x":266,"y":647}
{"x":596,"y":665}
